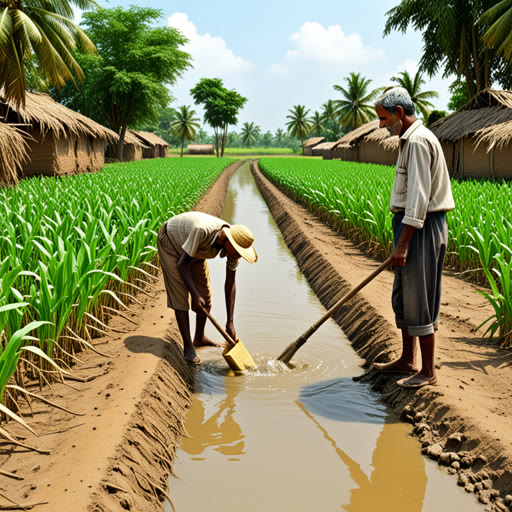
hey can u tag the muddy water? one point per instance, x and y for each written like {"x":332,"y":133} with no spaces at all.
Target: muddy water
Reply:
{"x":293,"y":440}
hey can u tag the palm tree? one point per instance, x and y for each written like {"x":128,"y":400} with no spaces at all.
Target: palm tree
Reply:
{"x":356,"y":107}
{"x":413,"y":86}
{"x":185,"y":125}
{"x":249,"y":133}
{"x":279,"y":137}
{"x":299,"y":124}
{"x":317,"y":124}
{"x":499,"y":34}
{"x":43,"y":30}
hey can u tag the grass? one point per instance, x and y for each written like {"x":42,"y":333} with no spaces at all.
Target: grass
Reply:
{"x":245,"y":151}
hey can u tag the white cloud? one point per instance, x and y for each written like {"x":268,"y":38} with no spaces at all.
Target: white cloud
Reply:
{"x":326,"y":49}
{"x":212,"y":57}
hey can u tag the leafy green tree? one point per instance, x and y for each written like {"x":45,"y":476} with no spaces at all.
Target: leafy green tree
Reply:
{"x":317,"y":124}
{"x":328,"y":111}
{"x":162,"y":126}
{"x":221,"y":107}
{"x":40,"y":30}
{"x":299,"y":124}
{"x":185,"y":125}
{"x":459,"y":95}
{"x":249,"y":133}
{"x":434,"y":116}
{"x":127,"y":82}
{"x":452,"y":36}
{"x":279,"y":137}
{"x":413,"y":86}
{"x":499,"y":34}
{"x":267,"y":140}
{"x":356,"y":107}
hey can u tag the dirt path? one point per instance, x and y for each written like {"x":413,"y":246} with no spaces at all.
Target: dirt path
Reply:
{"x":117,"y":455}
{"x":473,"y":401}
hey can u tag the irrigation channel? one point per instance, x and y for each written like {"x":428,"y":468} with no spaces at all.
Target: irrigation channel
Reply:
{"x":301,"y":439}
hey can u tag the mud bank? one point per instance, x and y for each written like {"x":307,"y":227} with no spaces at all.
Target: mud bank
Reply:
{"x":116,"y":452}
{"x":464,"y":422}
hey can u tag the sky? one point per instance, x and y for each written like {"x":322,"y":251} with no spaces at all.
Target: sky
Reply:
{"x":280,"y":54}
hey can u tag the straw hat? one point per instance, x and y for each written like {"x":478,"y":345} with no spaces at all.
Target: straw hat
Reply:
{"x":241,"y":239}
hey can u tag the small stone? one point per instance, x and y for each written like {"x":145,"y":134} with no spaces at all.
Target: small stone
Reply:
{"x":472,"y":478}
{"x":463,"y":480}
{"x":455,"y":465}
{"x":469,"y":488}
{"x":453,"y":442}
{"x":486,"y":484}
{"x":508,"y":500}
{"x":482,"y":498}
{"x":478,"y":486}
{"x":482,"y":459}
{"x":37,"y":467}
{"x":466,"y":462}
{"x":418,"y":417}
{"x":452,"y":471}
{"x":444,"y":459}
{"x":434,"y":451}
{"x":454,"y":457}
{"x":33,"y":486}
{"x":484,"y":475}
{"x":495,"y":494}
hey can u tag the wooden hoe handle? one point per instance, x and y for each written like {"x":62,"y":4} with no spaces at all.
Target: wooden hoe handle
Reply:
{"x":225,"y":335}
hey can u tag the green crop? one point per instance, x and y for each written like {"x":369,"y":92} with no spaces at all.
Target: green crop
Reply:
{"x":354,"y":198}
{"x":75,"y":249}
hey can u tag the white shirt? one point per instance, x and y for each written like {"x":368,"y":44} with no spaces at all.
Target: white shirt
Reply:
{"x":422,"y":183}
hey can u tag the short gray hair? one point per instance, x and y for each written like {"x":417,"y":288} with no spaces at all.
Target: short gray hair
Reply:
{"x":396,"y":97}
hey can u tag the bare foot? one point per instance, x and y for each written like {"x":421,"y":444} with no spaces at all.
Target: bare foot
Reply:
{"x":191,"y":356}
{"x":196,"y":361}
{"x":207,"y":342}
{"x":418,"y":381}
{"x":397,"y":366}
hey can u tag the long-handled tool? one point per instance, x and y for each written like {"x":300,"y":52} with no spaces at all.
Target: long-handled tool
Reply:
{"x":235,"y":353}
{"x":292,"y":348}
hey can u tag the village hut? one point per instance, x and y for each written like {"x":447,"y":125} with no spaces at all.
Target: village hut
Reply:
{"x":132,"y":148}
{"x":13,"y":153}
{"x":325,"y":150}
{"x":201,"y":149}
{"x":368,"y":144}
{"x":310,"y":144}
{"x":60,"y":141}
{"x":154,"y":146}
{"x":476,"y":139}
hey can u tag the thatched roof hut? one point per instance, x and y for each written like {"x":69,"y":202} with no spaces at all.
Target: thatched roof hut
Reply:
{"x":311,"y":143}
{"x":324,"y":149}
{"x":201,"y":149}
{"x":60,"y":141}
{"x":154,"y":146}
{"x":368,"y":144}
{"x":475,"y":140}
{"x":132,"y":148}
{"x":13,"y":153}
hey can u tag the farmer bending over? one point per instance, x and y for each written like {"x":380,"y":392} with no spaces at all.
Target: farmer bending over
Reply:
{"x":420,"y":197}
{"x":185,"y":242}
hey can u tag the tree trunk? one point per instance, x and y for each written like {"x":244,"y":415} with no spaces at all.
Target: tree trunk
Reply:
{"x":476,"y":60}
{"x":302,"y":144}
{"x":120,"y":144}
{"x":182,"y":143}
{"x":217,"y":141}
{"x":224,"y":136}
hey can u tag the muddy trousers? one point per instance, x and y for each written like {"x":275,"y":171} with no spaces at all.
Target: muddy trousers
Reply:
{"x":416,"y":296}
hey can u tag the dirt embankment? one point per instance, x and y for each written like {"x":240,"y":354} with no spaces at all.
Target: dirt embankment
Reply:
{"x":465,"y":421}
{"x":117,"y":453}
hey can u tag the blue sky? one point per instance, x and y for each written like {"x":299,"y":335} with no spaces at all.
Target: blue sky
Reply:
{"x":280,"y":54}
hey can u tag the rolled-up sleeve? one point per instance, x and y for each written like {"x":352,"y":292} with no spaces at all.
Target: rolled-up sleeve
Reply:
{"x":419,"y":184}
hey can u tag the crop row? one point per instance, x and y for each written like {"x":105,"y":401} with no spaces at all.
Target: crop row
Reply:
{"x":75,"y":249}
{"x":354,"y":198}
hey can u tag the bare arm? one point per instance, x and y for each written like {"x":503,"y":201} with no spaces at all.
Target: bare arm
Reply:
{"x":198,"y":302}
{"x":399,"y":256}
{"x":230,"y":293}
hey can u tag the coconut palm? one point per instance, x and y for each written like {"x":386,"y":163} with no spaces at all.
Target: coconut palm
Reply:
{"x":328,"y":111}
{"x":413,"y":86}
{"x":299,"y":124}
{"x":317,"y":124}
{"x":249,"y":133}
{"x":499,"y":34}
{"x":185,"y":125}
{"x":43,"y":30}
{"x":279,"y":137}
{"x":356,"y":107}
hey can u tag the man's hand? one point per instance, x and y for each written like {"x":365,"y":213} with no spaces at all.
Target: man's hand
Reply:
{"x":198,"y":304}
{"x":230,"y":329}
{"x":399,"y":256}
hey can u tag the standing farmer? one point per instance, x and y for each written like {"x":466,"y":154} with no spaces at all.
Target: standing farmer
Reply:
{"x":420,"y":198}
{"x":185,"y":242}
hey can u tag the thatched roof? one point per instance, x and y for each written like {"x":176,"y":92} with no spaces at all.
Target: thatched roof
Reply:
{"x":485,"y":110}
{"x":313,"y":141}
{"x":13,"y":152}
{"x":150,"y":139}
{"x":352,"y":138}
{"x":325,"y":145}
{"x":130,"y":138}
{"x":498,"y":135}
{"x":51,"y":116}
{"x":201,"y":149}
{"x":381,"y":136}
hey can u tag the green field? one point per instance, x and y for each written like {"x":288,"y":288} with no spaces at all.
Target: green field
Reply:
{"x":75,"y":249}
{"x":245,"y":151}
{"x":354,"y":198}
